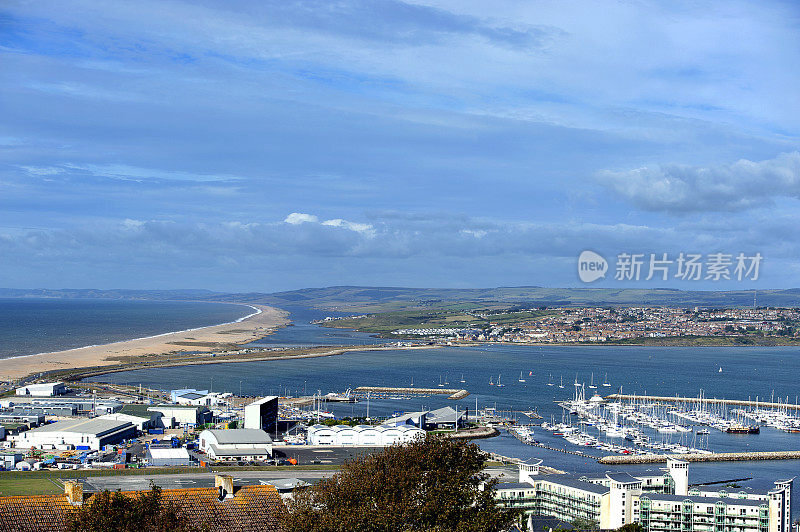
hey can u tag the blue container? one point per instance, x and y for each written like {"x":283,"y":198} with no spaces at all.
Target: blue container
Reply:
{"x":82,"y":447}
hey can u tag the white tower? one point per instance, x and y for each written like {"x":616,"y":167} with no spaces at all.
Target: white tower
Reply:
{"x":679,"y":471}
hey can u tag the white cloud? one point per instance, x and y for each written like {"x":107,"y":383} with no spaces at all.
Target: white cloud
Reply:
{"x":679,"y":188}
{"x":353,"y":226}
{"x":297,"y":218}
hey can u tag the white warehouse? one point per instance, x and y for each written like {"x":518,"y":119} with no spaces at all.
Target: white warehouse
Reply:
{"x":76,"y":433}
{"x":236,"y":444}
{"x":362,"y":435}
{"x":44,"y":389}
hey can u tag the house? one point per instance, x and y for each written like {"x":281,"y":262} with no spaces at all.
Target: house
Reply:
{"x":222,"y":508}
{"x":236,"y":444}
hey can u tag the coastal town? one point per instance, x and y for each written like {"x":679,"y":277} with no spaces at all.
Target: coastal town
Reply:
{"x":614,"y":324}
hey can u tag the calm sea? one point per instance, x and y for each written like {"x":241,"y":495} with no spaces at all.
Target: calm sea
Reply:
{"x":746,"y":373}
{"x":29,"y":326}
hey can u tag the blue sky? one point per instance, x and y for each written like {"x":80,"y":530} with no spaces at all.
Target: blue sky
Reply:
{"x":273,"y":145}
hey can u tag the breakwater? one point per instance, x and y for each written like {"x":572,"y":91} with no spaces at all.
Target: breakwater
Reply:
{"x":705,"y":400}
{"x":713,"y":457}
{"x":452,"y":393}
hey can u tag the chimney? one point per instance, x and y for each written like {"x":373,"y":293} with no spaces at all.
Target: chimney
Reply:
{"x":74,"y":492}
{"x":225,"y":485}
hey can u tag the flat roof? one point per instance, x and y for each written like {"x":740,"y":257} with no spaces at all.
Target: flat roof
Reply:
{"x":623,"y":478}
{"x":513,"y":485}
{"x":572,"y":482}
{"x":240,"y":436}
{"x":240,"y":452}
{"x":702,"y":500}
{"x":95,"y":426}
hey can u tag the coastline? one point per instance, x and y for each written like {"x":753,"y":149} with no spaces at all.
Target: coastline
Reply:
{"x":264,"y":321}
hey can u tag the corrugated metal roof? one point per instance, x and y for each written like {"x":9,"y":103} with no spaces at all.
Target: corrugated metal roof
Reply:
{"x":96,"y":426}
{"x":240,"y":436}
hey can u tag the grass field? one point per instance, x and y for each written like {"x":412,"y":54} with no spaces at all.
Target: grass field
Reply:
{"x":29,"y":486}
{"x":385,"y":323}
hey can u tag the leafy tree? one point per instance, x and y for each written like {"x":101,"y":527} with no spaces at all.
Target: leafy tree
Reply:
{"x":631,"y":527}
{"x":430,"y":484}
{"x":116,"y":512}
{"x":585,"y":524}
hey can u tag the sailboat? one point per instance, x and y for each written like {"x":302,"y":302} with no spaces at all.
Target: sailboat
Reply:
{"x":491,"y":381}
{"x":445,"y":379}
{"x":440,"y":382}
{"x":498,"y":382}
{"x":561,"y":385}
{"x":605,"y":382}
{"x":720,"y":369}
{"x":550,"y":382}
{"x":591,"y":383}
{"x":462,"y":378}
{"x":521,"y":379}
{"x":412,"y":382}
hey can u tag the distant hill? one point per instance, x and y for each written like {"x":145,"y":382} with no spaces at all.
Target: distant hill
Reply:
{"x":89,"y":293}
{"x":377,"y":299}
{"x":373,"y":299}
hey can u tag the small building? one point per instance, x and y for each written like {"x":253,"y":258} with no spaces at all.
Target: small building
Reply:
{"x":182,"y":415}
{"x":168,"y":457}
{"x":236,"y":444}
{"x":44,"y":389}
{"x":86,"y":434}
{"x":9,"y":460}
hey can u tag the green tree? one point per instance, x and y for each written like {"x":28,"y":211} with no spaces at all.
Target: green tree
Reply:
{"x":631,"y":527}
{"x":585,"y":524}
{"x":117,"y":512}
{"x":430,"y":484}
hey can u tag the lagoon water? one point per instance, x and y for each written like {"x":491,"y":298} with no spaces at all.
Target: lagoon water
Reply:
{"x":29,"y":326}
{"x":747,"y":373}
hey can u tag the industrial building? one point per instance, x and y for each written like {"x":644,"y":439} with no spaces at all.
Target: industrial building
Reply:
{"x":181,"y":415}
{"x":85,"y":434}
{"x":441,"y":418}
{"x":60,"y":406}
{"x":190,"y":396}
{"x":262,"y":414}
{"x":236,"y":444}
{"x":141,"y":423}
{"x":659,"y":503}
{"x":45,"y":389}
{"x":362,"y":435}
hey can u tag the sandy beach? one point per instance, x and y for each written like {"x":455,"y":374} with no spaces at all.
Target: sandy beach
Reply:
{"x":202,"y":339}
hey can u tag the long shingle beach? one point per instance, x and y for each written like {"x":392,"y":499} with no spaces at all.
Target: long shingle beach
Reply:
{"x":203,"y":339}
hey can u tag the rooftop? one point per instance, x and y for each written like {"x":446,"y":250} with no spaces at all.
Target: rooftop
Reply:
{"x":702,"y":500}
{"x":240,"y":436}
{"x":572,"y":482}
{"x":96,"y":426}
{"x":252,"y":508}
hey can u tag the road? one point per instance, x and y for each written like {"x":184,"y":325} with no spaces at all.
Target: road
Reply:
{"x":240,"y":478}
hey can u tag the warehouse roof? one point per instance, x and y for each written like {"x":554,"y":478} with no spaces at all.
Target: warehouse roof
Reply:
{"x":168,"y":453}
{"x":240,"y":436}
{"x":96,"y":426}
